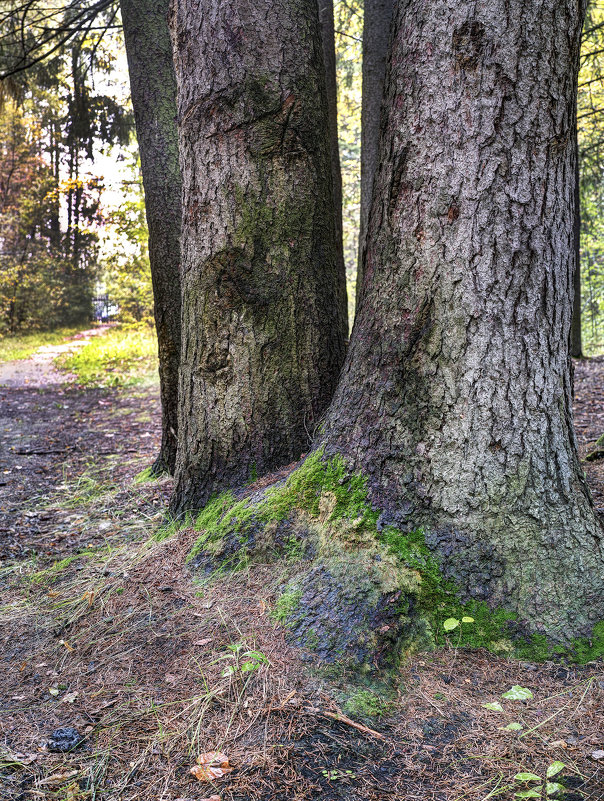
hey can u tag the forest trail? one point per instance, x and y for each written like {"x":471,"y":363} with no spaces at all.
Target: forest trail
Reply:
{"x":39,"y":369}
{"x":115,"y":635}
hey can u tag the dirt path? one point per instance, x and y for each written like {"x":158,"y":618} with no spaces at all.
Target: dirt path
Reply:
{"x":39,"y":370}
{"x":57,"y":440}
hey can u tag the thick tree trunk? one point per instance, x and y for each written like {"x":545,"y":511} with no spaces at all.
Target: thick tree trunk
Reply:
{"x":377,"y":17}
{"x":576,"y":341}
{"x":455,"y":399}
{"x":264,"y":325}
{"x":153,"y":89}
{"x":331,"y":87}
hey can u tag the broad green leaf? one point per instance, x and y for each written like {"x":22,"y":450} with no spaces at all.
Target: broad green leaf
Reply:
{"x":526,"y":776}
{"x":552,"y":788}
{"x":555,"y":768}
{"x":518,"y":693}
{"x":511,"y":727}
{"x":467,"y":619}
{"x":450,"y":624}
{"x":494,"y":707}
{"x":529,"y":793}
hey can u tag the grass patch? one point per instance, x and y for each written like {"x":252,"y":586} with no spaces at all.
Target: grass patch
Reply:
{"x":123,"y":357}
{"x":22,"y":346}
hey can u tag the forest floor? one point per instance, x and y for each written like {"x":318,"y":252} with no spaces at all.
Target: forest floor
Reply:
{"x":105,"y":629}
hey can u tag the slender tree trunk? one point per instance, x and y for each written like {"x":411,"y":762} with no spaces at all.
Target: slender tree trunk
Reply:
{"x":331,"y":85}
{"x":377,"y":18}
{"x":576,"y":342}
{"x":153,"y":89}
{"x":263,"y":321}
{"x":455,"y":399}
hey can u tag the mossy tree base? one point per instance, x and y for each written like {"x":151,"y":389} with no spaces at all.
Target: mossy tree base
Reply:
{"x":356,"y":592}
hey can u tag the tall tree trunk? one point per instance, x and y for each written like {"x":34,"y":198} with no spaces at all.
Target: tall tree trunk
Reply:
{"x":455,"y":399}
{"x":153,"y":89}
{"x":263,"y":323}
{"x":576,"y":342}
{"x":329,"y":55}
{"x":377,"y":17}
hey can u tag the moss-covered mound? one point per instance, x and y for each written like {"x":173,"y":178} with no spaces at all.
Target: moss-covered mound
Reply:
{"x":357,"y":591}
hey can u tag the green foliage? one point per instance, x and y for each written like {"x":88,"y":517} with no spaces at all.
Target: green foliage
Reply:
{"x":122,"y":357}
{"x":125,"y":257}
{"x":348,"y":40}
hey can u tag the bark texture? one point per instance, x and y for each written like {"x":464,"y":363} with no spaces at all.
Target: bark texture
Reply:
{"x":377,"y":17}
{"x":331,"y":87}
{"x":153,"y":89}
{"x":264,"y":324}
{"x":455,"y":399}
{"x":576,"y":338}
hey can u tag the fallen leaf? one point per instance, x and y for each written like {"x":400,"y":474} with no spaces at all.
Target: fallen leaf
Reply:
{"x":558,"y":744}
{"x":53,"y":691}
{"x":205,"y":641}
{"x":597,"y":755}
{"x":494,"y":707}
{"x":518,"y":693}
{"x":210,"y":766}
{"x":69,"y":698}
{"x":59,"y":778}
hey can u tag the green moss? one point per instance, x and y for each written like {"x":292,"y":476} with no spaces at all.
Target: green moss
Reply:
{"x":326,"y":491}
{"x":286,"y":605}
{"x":144,"y":476}
{"x":366,"y":704}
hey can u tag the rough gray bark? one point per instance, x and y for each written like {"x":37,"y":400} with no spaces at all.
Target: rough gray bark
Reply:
{"x":455,"y":399}
{"x":153,"y":89}
{"x":264,"y":326}
{"x":576,"y":341}
{"x":377,"y":17}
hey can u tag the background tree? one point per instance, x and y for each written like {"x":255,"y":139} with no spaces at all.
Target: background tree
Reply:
{"x":263,"y":319}
{"x":455,"y":400}
{"x":153,"y":88}
{"x":377,"y":16}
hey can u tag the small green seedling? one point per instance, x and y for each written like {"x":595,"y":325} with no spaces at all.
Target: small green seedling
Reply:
{"x":542,"y":786}
{"x":243,"y":661}
{"x":334,"y":775}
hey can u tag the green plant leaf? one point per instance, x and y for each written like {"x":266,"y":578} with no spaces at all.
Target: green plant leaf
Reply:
{"x":494,"y":707}
{"x":526,"y":776}
{"x":555,"y":768}
{"x":512,"y":727}
{"x":536,"y":793}
{"x":467,"y":619}
{"x":553,"y":788}
{"x":450,"y":624}
{"x":518,"y":693}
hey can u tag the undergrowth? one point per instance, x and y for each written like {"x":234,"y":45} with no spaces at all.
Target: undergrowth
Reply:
{"x":123,"y":357}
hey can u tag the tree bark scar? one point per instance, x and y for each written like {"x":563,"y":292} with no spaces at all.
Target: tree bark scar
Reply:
{"x":468,"y":44}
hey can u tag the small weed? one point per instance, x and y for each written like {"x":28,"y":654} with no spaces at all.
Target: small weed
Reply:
{"x":242,"y":661}
{"x":335,"y":774}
